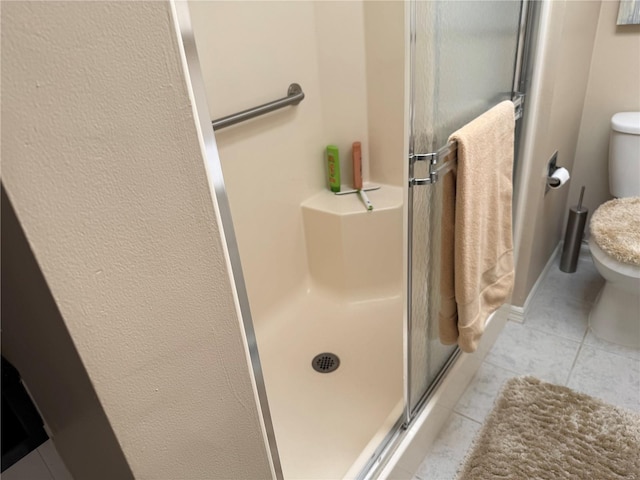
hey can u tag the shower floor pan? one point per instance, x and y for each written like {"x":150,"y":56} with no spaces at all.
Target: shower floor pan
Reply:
{"x":324,"y":421}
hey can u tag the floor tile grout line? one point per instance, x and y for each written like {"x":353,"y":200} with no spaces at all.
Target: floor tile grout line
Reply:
{"x":575,"y":360}
{"x":504,"y":368}
{"x":589,"y":303}
{"x":480,"y":424}
{"x":628,"y":356}
{"x":575,"y":343}
{"x":539,"y":295}
{"x":45,"y":463}
{"x":484,"y":362}
{"x":468,"y":417}
{"x":564,"y":337}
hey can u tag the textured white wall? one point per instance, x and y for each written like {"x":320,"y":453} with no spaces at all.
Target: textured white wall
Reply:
{"x":36,"y":341}
{"x":103,"y":165}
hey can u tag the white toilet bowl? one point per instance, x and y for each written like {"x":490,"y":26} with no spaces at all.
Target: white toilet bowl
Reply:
{"x":615,"y":316}
{"x":615,"y":235}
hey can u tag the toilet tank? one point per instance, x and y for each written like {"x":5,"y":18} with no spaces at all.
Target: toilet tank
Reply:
{"x":624,"y":155}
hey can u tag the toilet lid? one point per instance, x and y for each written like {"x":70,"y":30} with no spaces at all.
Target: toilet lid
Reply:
{"x":615,"y":227}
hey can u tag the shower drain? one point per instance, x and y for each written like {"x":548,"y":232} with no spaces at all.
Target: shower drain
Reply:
{"x":325,"y":362}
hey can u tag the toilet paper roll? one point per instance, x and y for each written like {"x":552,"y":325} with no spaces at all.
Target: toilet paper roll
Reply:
{"x":558,"y":178}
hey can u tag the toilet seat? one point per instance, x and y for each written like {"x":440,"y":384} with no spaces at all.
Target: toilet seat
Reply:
{"x":626,"y":269}
{"x":615,"y":227}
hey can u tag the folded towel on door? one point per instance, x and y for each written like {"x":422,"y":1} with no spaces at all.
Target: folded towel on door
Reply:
{"x":477,"y":265}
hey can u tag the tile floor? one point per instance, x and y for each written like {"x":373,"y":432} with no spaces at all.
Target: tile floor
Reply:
{"x":554,"y":344}
{"x":43,"y":463}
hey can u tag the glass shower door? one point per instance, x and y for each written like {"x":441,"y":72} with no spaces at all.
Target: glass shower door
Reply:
{"x":463,"y":62}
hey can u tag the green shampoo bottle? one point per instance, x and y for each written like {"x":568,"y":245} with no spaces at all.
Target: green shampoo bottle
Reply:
{"x":333,"y":166}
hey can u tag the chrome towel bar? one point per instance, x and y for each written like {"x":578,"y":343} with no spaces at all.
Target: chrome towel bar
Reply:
{"x":294,"y":96}
{"x":438,"y":164}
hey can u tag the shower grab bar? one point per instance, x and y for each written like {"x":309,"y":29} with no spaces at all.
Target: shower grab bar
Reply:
{"x":438,"y":164}
{"x":294,"y":96}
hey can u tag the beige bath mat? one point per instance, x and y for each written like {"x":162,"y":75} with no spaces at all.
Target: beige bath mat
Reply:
{"x":538,"y":430}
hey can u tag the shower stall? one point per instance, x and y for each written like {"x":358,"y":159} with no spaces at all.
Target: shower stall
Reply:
{"x":340,"y":303}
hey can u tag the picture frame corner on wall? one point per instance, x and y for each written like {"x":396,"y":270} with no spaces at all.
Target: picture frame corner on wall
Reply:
{"x":628,"y":12}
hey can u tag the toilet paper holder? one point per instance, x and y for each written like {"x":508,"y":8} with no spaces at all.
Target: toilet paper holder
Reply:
{"x":552,"y":181}
{"x":556,"y":176}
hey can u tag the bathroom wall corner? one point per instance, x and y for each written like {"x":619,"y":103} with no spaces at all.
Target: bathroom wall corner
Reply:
{"x":385,"y":68}
{"x":556,"y":103}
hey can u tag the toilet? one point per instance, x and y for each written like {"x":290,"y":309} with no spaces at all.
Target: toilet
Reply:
{"x":615,"y":238}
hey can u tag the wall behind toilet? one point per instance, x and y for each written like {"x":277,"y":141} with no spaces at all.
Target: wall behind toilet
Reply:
{"x":587,"y":69}
{"x":552,"y":123}
{"x":614,"y":86}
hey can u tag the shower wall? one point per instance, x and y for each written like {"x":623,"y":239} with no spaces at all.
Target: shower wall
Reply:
{"x":322,"y":273}
{"x":384,"y":24}
{"x":250,"y":52}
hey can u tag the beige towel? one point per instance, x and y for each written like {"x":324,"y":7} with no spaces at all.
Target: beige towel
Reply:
{"x":478,"y":267}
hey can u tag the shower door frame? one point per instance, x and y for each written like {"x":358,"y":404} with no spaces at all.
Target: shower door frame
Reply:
{"x":217,"y":186}
{"x":399,"y":432}
{"x":520,"y":63}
